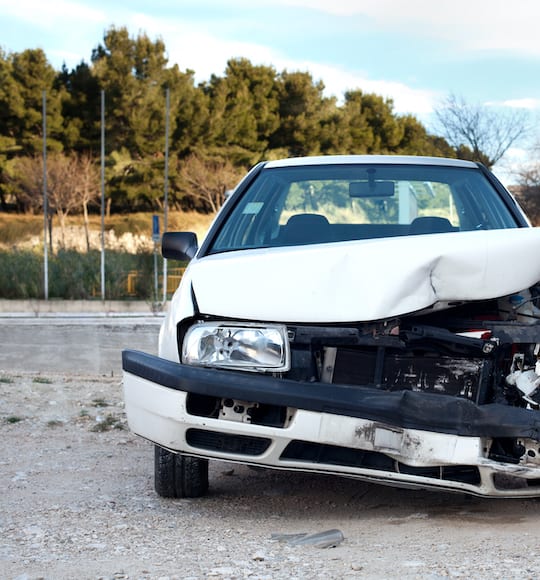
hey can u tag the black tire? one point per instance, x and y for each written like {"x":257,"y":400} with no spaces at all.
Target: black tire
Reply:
{"x":179,"y":475}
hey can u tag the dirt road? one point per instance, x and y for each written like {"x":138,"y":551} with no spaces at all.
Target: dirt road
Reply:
{"x":78,"y":502}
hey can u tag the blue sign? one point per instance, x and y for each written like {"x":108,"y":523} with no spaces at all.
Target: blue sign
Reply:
{"x":155,"y":228}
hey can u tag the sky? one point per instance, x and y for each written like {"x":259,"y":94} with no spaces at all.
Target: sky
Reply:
{"x":415,"y":52}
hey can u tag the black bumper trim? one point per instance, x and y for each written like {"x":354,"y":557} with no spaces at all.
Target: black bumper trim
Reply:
{"x":406,"y":409}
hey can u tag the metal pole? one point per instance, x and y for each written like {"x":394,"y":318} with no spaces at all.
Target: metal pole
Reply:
{"x":166,"y":187}
{"x":103,"y":195}
{"x":45,"y":202}
{"x":156,"y":301}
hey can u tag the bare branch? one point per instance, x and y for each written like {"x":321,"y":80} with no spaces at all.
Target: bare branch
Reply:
{"x":208,"y":180}
{"x":72,"y":183}
{"x":487,"y":131}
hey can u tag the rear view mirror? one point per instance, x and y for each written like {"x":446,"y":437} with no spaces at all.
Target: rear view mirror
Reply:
{"x":179,"y":245}
{"x":371,"y":188}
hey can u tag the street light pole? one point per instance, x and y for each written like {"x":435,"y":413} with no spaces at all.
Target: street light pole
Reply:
{"x":166,"y":187}
{"x":45,"y":202}
{"x":103,"y":195}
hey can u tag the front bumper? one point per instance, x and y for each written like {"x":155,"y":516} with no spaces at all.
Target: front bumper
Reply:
{"x":400,"y":438}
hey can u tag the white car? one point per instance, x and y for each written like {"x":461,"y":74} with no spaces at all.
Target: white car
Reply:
{"x":364,"y":316}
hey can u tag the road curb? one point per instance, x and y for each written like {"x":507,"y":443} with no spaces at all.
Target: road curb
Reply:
{"x":79,"y":308}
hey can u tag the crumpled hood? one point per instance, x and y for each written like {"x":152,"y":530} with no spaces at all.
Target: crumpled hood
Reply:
{"x":366,"y":279}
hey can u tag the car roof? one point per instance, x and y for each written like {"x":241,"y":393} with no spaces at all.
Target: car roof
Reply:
{"x":370,"y":159}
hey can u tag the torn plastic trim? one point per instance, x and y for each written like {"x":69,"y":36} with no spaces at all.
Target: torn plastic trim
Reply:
{"x":407,"y":409}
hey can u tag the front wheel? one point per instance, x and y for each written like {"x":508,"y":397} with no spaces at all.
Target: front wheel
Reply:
{"x":179,"y":475}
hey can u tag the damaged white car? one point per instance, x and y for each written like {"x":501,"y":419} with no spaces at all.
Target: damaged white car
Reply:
{"x":365,"y":316}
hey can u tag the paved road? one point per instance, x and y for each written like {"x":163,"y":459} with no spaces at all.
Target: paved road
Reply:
{"x":83,"y":345}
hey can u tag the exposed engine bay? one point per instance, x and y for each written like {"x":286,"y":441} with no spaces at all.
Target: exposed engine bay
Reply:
{"x":487,"y":352}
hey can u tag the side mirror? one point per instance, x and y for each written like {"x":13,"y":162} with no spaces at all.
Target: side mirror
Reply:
{"x":179,"y":245}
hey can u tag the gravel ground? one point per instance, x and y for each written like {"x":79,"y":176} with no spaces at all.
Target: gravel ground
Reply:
{"x":78,"y":502}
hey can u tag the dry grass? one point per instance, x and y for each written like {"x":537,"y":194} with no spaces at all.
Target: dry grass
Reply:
{"x":16,"y":228}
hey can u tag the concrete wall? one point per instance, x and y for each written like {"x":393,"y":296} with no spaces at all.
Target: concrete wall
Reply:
{"x":103,"y":307}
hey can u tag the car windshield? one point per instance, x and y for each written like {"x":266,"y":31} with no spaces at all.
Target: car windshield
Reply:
{"x":314,"y":204}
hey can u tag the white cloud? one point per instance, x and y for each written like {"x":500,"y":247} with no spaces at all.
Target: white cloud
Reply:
{"x":52,"y":13}
{"x":459,"y":25}
{"x":193,"y":47}
{"x":406,"y":99}
{"x":478,"y":25}
{"x":526,"y":103}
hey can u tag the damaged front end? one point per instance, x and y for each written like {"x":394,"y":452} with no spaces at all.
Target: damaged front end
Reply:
{"x":355,"y":315}
{"x":447,"y":400}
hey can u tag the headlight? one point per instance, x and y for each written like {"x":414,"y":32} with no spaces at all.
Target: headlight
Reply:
{"x":249,"y":347}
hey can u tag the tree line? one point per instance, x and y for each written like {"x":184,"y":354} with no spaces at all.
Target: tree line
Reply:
{"x":217,"y":129}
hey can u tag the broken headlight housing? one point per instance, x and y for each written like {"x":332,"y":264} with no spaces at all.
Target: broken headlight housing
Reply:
{"x":248,"y":347}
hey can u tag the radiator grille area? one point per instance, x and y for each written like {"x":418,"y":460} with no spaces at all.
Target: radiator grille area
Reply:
{"x":227,"y":443}
{"x":464,"y":377}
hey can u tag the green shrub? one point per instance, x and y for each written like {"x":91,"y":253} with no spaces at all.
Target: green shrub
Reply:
{"x":22,"y":275}
{"x":73,"y":275}
{"x":77,"y":276}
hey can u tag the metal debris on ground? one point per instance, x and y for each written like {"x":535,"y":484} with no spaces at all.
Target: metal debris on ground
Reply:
{"x":326,"y":539}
